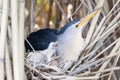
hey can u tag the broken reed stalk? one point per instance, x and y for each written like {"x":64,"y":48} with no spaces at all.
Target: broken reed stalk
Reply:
{"x":4,"y":24}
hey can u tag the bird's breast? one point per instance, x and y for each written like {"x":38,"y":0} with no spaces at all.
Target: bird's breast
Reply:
{"x":70,"y":44}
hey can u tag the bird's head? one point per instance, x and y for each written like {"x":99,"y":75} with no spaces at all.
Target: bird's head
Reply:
{"x":78,"y":25}
{"x":85,"y":20}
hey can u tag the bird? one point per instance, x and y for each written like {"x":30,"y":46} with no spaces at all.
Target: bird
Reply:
{"x":40,"y":40}
{"x":70,"y":42}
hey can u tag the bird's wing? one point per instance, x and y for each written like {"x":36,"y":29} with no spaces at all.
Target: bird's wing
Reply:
{"x":41,"y":39}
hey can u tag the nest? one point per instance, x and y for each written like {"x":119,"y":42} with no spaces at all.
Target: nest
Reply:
{"x":99,"y":60}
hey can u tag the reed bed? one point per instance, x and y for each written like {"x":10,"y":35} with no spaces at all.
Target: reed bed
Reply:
{"x":100,"y":60}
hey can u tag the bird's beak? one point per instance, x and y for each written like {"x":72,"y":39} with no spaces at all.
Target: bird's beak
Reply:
{"x":87,"y":18}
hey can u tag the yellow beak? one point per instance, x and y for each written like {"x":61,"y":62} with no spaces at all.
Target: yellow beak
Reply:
{"x":87,"y":18}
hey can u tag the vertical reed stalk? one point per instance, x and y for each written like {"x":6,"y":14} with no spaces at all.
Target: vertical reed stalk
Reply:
{"x":32,"y":15}
{"x":8,"y":64}
{"x":4,"y":25}
{"x":1,"y":2}
{"x":21,"y":37}
{"x":15,"y":36}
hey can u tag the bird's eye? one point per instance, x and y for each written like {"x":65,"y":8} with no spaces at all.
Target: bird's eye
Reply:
{"x":76,"y":26}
